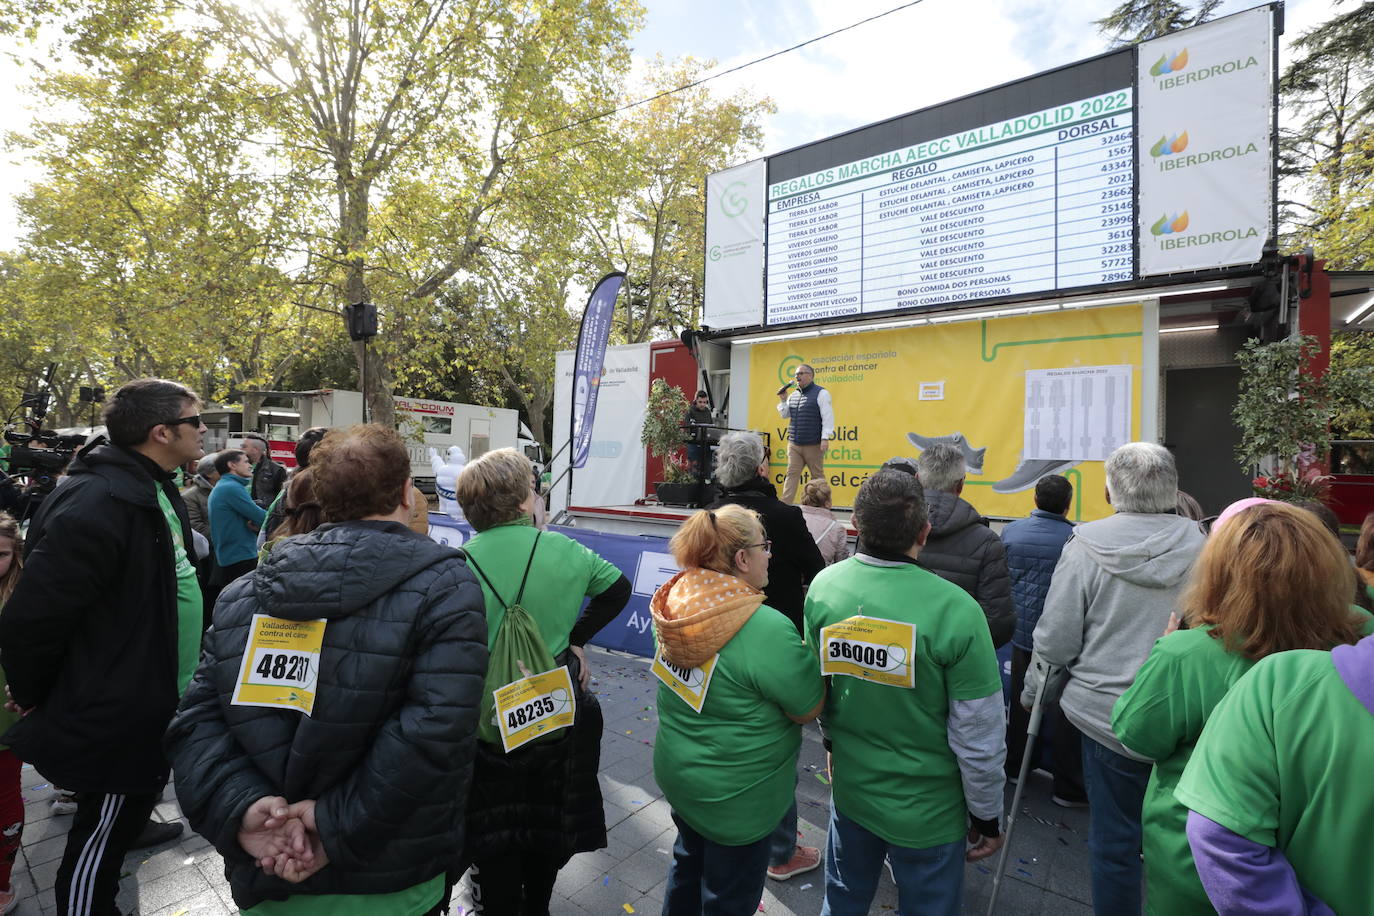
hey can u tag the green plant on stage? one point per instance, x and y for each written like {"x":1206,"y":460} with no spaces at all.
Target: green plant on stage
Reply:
{"x":1284,"y":414}
{"x":662,"y":432}
{"x":677,"y":469}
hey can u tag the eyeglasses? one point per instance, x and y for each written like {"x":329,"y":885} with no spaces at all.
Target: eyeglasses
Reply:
{"x":767,"y":546}
{"x":192,"y":420}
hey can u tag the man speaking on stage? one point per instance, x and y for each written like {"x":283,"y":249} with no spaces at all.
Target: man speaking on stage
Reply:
{"x":812,"y":427}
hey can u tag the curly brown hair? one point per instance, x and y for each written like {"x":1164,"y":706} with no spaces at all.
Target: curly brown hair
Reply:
{"x":1272,"y":579}
{"x":359,"y":472}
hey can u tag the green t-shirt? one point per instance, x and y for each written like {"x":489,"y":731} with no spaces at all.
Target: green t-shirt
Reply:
{"x":563,"y":574}
{"x":413,"y":901}
{"x":730,"y":770}
{"x":1285,"y":762}
{"x":893,"y":771}
{"x":190,"y":604}
{"x":1160,"y":717}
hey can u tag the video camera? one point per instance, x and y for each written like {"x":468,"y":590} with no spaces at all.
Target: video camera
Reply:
{"x":41,"y":455}
{"x":35,"y":453}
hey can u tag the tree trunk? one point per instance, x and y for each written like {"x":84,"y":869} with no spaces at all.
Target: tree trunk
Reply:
{"x":374,"y":375}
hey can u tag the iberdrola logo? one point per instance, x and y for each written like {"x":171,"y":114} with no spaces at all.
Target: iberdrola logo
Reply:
{"x":1164,"y":66}
{"x":1168,"y":225}
{"x":1167,"y":146}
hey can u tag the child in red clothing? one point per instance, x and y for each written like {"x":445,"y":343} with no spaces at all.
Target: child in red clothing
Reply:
{"x":11,"y":799}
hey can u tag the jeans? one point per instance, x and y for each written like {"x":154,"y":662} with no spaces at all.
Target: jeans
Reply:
{"x":930,"y":882}
{"x":708,"y":879}
{"x":783,"y":840}
{"x":1116,"y":794}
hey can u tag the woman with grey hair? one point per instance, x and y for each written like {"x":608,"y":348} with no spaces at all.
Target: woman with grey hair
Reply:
{"x":741,"y":470}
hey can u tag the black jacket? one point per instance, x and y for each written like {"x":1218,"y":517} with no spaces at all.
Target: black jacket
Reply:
{"x":962,"y":549}
{"x":795,"y":560}
{"x":89,"y":637}
{"x":268,"y":479}
{"x":387,"y":751}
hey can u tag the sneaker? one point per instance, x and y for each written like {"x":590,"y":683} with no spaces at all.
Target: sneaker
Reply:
{"x":1063,"y":802}
{"x":63,"y":802}
{"x":804,"y":859}
{"x":1028,"y":474}
{"x":9,"y":899}
{"x":973,"y":457}
{"x":155,"y":833}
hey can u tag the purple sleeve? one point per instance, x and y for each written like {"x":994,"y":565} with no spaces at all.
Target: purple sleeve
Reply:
{"x":1245,"y":878}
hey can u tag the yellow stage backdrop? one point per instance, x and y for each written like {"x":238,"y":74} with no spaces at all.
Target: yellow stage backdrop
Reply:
{"x":976,"y":369}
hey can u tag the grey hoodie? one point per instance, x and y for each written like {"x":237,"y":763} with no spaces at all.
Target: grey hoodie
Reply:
{"x":1116,"y":583}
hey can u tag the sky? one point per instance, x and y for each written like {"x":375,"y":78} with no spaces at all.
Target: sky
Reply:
{"x":928,"y":53}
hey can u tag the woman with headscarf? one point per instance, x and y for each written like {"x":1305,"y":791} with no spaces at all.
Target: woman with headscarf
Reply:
{"x":737,"y":683}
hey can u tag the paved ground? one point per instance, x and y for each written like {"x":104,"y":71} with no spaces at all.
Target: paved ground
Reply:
{"x":1046,"y":871}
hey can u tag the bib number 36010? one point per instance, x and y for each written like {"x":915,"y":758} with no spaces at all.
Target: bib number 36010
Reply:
{"x":534,"y":706}
{"x":875,"y":650}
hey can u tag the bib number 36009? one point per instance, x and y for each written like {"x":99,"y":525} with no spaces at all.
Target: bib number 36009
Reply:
{"x":875,"y":650}
{"x":534,"y":706}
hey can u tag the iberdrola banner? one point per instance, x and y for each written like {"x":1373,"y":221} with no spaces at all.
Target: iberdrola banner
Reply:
{"x":1022,"y":397}
{"x":1206,"y":145}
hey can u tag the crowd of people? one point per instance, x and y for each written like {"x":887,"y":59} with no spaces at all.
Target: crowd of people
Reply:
{"x":357,"y":716}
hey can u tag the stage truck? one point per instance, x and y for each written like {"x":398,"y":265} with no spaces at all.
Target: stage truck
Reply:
{"x":1035,"y":273}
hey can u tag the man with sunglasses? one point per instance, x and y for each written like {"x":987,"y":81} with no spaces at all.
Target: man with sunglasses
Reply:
{"x":103,"y":633}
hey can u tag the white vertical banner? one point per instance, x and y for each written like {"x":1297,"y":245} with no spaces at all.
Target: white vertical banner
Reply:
{"x":735,"y":203}
{"x":614,"y":472}
{"x":1205,"y":150}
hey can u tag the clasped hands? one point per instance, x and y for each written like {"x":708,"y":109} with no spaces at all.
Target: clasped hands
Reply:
{"x":283,"y":838}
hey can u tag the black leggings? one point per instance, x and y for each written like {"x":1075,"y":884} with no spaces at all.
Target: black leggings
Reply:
{"x":517,"y":885}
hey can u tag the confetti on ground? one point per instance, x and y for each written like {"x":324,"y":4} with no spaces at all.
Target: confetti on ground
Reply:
{"x":606,"y":881}
{"x":1062,"y":840}
{"x":983,"y":869}
{"x":189,"y":860}
{"x":807,"y":887}
{"x":181,"y":913}
{"x":628,"y":908}
{"x":1022,"y":871}
{"x":821,"y":777}
{"x":664,"y":851}
{"x":36,"y":788}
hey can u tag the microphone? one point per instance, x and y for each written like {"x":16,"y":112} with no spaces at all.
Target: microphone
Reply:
{"x":785,"y":387}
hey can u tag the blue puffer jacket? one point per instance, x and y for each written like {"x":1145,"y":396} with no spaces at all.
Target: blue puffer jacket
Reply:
{"x":1033,"y":547}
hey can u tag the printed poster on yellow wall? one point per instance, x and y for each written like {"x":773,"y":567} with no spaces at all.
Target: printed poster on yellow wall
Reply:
{"x":1022,"y":397}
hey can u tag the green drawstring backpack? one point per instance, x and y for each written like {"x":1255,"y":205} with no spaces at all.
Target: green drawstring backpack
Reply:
{"x":517,"y":653}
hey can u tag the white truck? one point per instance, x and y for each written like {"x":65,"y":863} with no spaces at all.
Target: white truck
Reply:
{"x":424,"y":424}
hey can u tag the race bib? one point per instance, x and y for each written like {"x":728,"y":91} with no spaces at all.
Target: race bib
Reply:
{"x":876,"y":650}
{"x":690,"y":684}
{"x":281,"y":664}
{"x":534,"y":706}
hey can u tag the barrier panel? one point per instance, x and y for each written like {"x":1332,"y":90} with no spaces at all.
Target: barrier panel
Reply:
{"x":644,"y":560}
